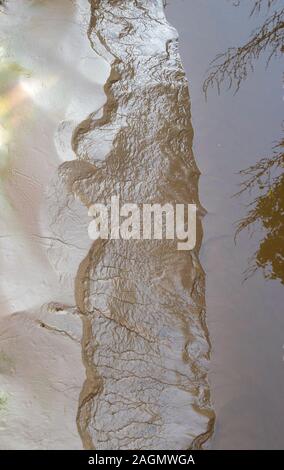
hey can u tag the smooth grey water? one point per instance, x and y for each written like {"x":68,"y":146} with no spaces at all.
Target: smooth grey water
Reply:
{"x":246,"y":319}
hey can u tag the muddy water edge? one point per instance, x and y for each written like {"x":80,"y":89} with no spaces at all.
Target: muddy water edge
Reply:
{"x":145,"y":344}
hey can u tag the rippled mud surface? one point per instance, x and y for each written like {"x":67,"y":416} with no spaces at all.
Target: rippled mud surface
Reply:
{"x":145,"y":343}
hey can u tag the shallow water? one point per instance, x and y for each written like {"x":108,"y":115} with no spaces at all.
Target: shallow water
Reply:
{"x":145,"y":344}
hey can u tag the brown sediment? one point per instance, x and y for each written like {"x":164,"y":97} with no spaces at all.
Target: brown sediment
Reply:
{"x":145,"y":344}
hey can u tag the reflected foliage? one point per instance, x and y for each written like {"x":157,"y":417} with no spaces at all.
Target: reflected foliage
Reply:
{"x":267,"y":212}
{"x":266,"y":177}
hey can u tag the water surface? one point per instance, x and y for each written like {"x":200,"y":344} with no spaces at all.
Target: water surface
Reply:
{"x":246,"y":319}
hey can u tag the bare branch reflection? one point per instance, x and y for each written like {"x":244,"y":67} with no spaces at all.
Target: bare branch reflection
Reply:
{"x":266,"y":177}
{"x":233,"y":66}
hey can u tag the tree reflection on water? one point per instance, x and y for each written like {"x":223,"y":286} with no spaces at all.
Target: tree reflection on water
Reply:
{"x":267,"y":211}
{"x":266,"y":177}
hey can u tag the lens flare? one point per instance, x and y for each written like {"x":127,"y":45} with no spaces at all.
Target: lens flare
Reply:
{"x":19,"y":91}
